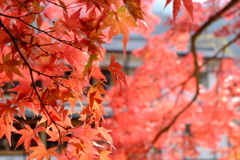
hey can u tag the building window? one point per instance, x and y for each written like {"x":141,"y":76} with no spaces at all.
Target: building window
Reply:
{"x":203,"y":79}
{"x":108,"y":83}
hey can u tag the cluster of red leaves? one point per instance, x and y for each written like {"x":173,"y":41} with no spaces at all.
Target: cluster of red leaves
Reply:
{"x":161,"y":89}
{"x":42,"y":40}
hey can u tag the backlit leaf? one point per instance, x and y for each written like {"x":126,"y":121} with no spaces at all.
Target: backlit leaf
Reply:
{"x":117,"y":74}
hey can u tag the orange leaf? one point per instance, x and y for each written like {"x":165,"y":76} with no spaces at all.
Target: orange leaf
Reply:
{"x":40,"y":152}
{"x":88,"y":67}
{"x":134,"y":8}
{"x":8,"y":109}
{"x":104,"y":154}
{"x":23,"y":90}
{"x":28,"y":134}
{"x":39,"y":21}
{"x":105,"y":134}
{"x":117,"y":74}
{"x":125,"y":20}
{"x":6,"y":130}
{"x":9,"y":66}
{"x":119,"y":23}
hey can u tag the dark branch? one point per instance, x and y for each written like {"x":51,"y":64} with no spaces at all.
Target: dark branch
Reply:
{"x":32,"y":79}
{"x":221,"y":50}
{"x":196,"y":69}
{"x":43,"y":31}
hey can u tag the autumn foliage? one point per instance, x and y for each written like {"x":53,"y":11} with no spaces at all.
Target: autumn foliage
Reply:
{"x":165,"y":113}
{"x":59,"y":43}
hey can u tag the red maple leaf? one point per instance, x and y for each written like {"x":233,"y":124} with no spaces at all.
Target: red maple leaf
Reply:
{"x":28,"y":135}
{"x":176,"y":7}
{"x":117,"y":74}
{"x":40,"y":152}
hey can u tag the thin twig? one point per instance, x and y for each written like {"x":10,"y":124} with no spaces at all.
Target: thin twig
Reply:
{"x":48,"y":44}
{"x":40,"y":73}
{"x":43,"y":31}
{"x":47,"y":52}
{"x":221,"y":49}
{"x":24,"y":6}
{"x":54,"y":3}
{"x":27,"y":64}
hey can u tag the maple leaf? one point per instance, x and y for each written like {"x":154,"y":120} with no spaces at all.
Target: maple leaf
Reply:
{"x":94,"y":111}
{"x":119,"y":22}
{"x":176,"y":7}
{"x":72,"y":23}
{"x":8,"y":109}
{"x":40,"y":152}
{"x":23,"y":90}
{"x":28,"y":135}
{"x":6,"y":128}
{"x":98,"y":87}
{"x":47,"y":63}
{"x":95,"y":107}
{"x":54,"y":136}
{"x":117,"y":74}
{"x":51,"y":95}
{"x":104,"y":154}
{"x":83,"y":133}
{"x":88,"y":66}
{"x":106,"y":135}
{"x":9,"y":66}
{"x":134,"y":8}
{"x":99,"y":4}
{"x":97,"y":74}
{"x":26,"y":103}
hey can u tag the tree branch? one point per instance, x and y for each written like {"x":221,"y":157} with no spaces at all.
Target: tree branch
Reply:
{"x":221,"y":49}
{"x":39,"y":46}
{"x":43,"y":31}
{"x":196,"y":69}
{"x":33,"y":84}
